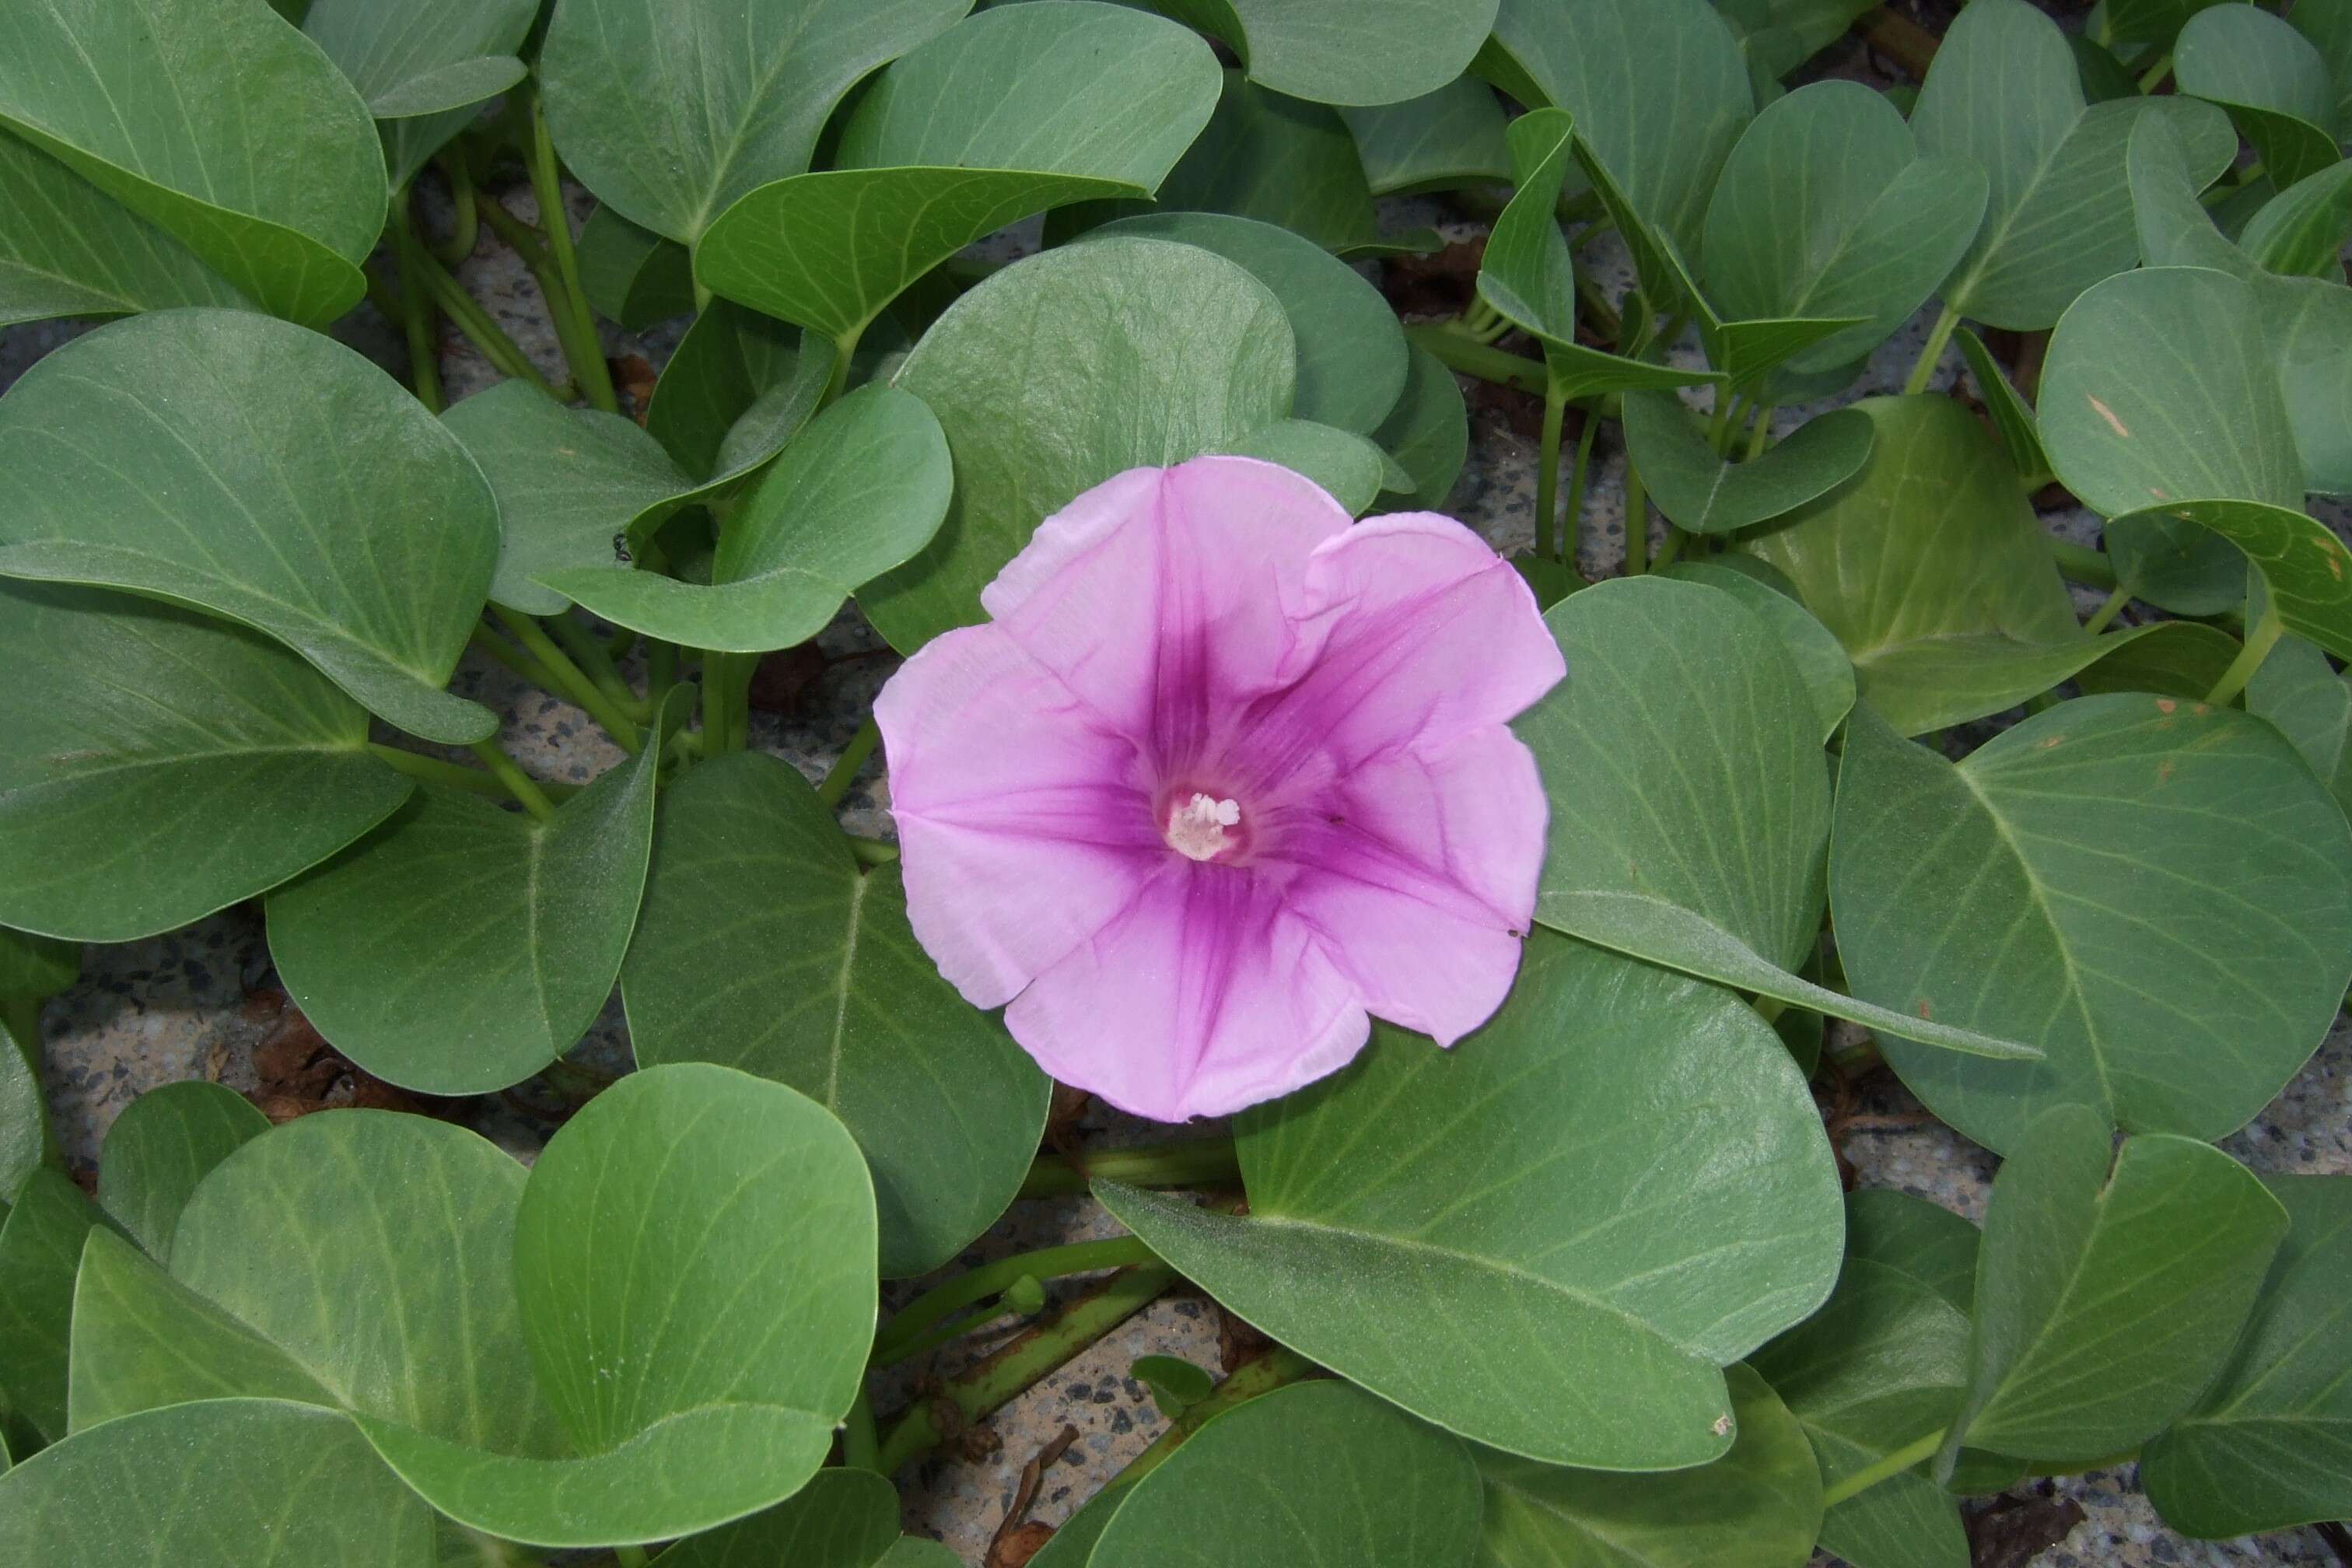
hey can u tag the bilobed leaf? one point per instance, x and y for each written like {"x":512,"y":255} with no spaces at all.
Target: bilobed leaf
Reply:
{"x":165,"y":1143}
{"x":2269,"y":1444}
{"x":2302,"y":230}
{"x":1346,"y":51}
{"x":1598,"y":1260}
{"x":1705,"y":493}
{"x":1427,"y":433}
{"x":1006,"y":114}
{"x":2172,"y":1227}
{"x":422,"y":66}
{"x":825,"y":989}
{"x":1318,"y":1472}
{"x":161,"y":764}
{"x":2012,"y":417}
{"x":1157,"y":353}
{"x":1694,"y":839}
{"x":725,"y":100}
{"x":226,"y":129}
{"x":844,"y":1518}
{"x":1759,"y":1505}
{"x":1820,"y":663}
{"x":1440,"y":141}
{"x":631,"y":275}
{"x":858,"y":492}
{"x":230,"y":1483}
{"x":2155,"y":891}
{"x":40,"y":1248}
{"x":283,"y":481}
{"x":740,"y":386}
{"x":68,"y":248}
{"x":2271,"y":78}
{"x":2309,"y":703}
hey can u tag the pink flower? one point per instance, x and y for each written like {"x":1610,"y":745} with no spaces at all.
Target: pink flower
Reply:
{"x":1224,"y":776}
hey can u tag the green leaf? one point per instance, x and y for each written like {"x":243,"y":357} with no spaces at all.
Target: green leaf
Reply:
{"x":35,"y":965}
{"x":1063,"y":369}
{"x":1428,"y":433}
{"x":2271,"y":78}
{"x":2156,"y":892}
{"x":1932,"y":570}
{"x":463,"y":946}
{"x":2156,"y":22}
{"x":1694,"y":838}
{"x":1657,"y":86}
{"x":2003,"y":94}
{"x":1344,"y":464}
{"x":165,"y":1142}
{"x":422,"y":66}
{"x":1705,"y":493}
{"x":728,"y":100}
{"x":227,"y":130}
{"x":2269,"y":1444}
{"x":40,"y":1248}
{"x":1175,"y":1383}
{"x":858,"y":492}
{"x":1006,"y":114}
{"x":763,"y":947}
{"x":25,"y":1136}
{"x":283,"y":482}
{"x":2176,"y":1229}
{"x":2012,"y":417}
{"x":1594,"y":1264}
{"x":631,"y":275}
{"x":2303,"y":229}
{"x":1318,"y":1472}
{"x":161,"y":764}
{"x":1352,"y":359}
{"x":67,"y":248}
{"x":739,"y":388}
{"x":1441,"y":141}
{"x":2329,"y":25}
{"x":1759,"y":1506}
{"x":1825,"y":209}
{"x":2304,"y":698}
{"x":743,"y":1249}
{"x":2105,"y":78}
{"x":1923,"y":1241}
{"x":233,"y":1483}
{"x":1345,"y":51}
{"x":1821,"y":662}
{"x":842,"y":1519}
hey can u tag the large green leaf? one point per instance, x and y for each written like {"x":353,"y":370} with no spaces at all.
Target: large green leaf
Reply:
{"x":2112,"y":1287}
{"x":699,"y":1328}
{"x":1596,"y":1262}
{"x":40,"y":1248}
{"x":858,"y":492}
{"x":1427,"y":433}
{"x":463,"y":946}
{"x":2302,"y":230}
{"x":844,"y":1518}
{"x":2300,"y":693}
{"x":1346,"y":465}
{"x":1006,"y":114}
{"x":1821,"y":662}
{"x":2272,"y":79}
{"x":736,"y":391}
{"x":161,"y":764}
{"x":224,"y":127}
{"x":1759,"y":1506}
{"x":1826,"y":209}
{"x":2269,"y":1444}
{"x":1440,"y":141}
{"x":2329,"y":25}
{"x":1704,"y":492}
{"x":422,"y":66}
{"x":2012,"y":417}
{"x":165,"y":1143}
{"x":671,"y":109}
{"x":1065,"y":369}
{"x":2003,"y":94}
{"x":2156,"y":892}
{"x":1316,"y":1473}
{"x":67,"y":248}
{"x":1347,"y":51}
{"x":763,"y":947}
{"x":283,"y":481}
{"x":1934,"y":573}
{"x":1695,"y":836}
{"x":633,"y":275}
{"x":231,"y":1483}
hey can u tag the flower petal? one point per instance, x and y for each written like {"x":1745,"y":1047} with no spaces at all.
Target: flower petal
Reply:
{"x":1160,"y":596}
{"x":1204,"y":995}
{"x":1418,"y":872}
{"x":1023,"y":821}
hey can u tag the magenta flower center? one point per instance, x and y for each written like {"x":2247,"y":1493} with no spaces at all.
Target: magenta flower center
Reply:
{"x":1200,"y":827}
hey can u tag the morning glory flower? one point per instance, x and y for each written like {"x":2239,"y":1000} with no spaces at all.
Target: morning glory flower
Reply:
{"x":1225,"y":774}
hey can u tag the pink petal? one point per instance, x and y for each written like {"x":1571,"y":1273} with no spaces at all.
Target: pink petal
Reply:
{"x":1023,"y":823}
{"x":1412,"y":632}
{"x":1160,"y":596}
{"x":1418,"y":872}
{"x":1204,"y":995}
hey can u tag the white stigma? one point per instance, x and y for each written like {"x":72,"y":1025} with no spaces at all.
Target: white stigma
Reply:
{"x":1196,"y":827}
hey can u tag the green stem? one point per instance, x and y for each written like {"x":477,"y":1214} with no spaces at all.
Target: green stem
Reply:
{"x":519,"y":784}
{"x":726,"y":701}
{"x":2107,"y":611}
{"x":1672,"y":550}
{"x":435,"y":770}
{"x":2259,"y":643}
{"x":844,"y":773}
{"x":1604,"y":316}
{"x":588,"y":651}
{"x":973,"y":1394}
{"x":468,"y":229}
{"x":415,"y":307}
{"x":630,"y":1556}
{"x":872,"y":851}
{"x":953,"y":1328}
{"x":514,"y":659}
{"x":571,"y":681}
{"x":1246,"y":1381}
{"x":978,"y":1284}
{"x":474,"y":323}
{"x":1893,"y":1465}
{"x":1573,"y":536}
{"x":523,"y":238}
{"x":1932,"y":352}
{"x":596,"y":377}
{"x":1760,"y":432}
{"x":1548,"y":471}
{"x":861,"y":1445}
{"x":1718,"y":430}
{"x":1637,"y":521}
{"x":845,"y":349}
{"x":2154,"y":77}
{"x":2081,"y":563}
{"x":1194,"y":1163}
{"x":1472,"y":358}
